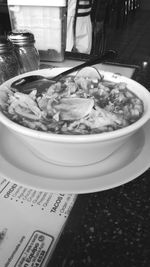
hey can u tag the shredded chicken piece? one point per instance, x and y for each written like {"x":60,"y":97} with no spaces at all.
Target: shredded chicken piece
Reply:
{"x":24,"y":105}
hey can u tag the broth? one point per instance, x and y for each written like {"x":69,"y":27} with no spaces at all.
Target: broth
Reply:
{"x":76,"y":106}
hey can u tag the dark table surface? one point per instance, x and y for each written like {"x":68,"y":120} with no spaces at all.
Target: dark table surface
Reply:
{"x":110,"y":228}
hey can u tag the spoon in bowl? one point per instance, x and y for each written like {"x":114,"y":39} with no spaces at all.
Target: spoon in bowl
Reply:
{"x":28,"y":83}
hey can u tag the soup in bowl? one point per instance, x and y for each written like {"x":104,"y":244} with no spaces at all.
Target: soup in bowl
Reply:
{"x":78,"y":120}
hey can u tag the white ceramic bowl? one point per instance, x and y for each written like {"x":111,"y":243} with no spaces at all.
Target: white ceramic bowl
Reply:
{"x":76,"y":150}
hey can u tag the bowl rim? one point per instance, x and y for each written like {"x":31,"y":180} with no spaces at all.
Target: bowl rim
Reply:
{"x":48,"y":136}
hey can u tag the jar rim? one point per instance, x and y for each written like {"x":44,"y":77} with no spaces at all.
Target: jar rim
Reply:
{"x":19,"y":37}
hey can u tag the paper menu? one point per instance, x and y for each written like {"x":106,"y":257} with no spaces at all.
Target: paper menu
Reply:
{"x":31,"y":222}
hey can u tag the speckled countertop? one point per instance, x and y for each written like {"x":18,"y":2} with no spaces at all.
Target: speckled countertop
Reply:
{"x":108,"y":229}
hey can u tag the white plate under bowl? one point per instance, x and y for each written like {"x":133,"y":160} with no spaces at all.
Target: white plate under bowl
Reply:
{"x":18,"y":164}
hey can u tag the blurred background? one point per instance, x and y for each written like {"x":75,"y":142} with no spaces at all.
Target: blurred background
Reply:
{"x":116,"y":24}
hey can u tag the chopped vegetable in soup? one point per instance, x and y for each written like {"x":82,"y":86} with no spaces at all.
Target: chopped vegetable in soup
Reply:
{"x":75,"y":106}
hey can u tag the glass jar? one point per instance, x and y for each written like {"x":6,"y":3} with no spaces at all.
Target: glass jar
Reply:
{"x":25,"y":50}
{"x":9,"y":66}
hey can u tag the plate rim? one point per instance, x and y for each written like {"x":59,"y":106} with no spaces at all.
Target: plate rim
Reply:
{"x":131,"y":171}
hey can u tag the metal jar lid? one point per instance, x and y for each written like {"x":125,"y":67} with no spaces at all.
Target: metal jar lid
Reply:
{"x":21,"y":37}
{"x":5,"y":45}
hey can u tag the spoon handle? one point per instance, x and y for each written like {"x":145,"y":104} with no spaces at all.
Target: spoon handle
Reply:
{"x":110,"y":54}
